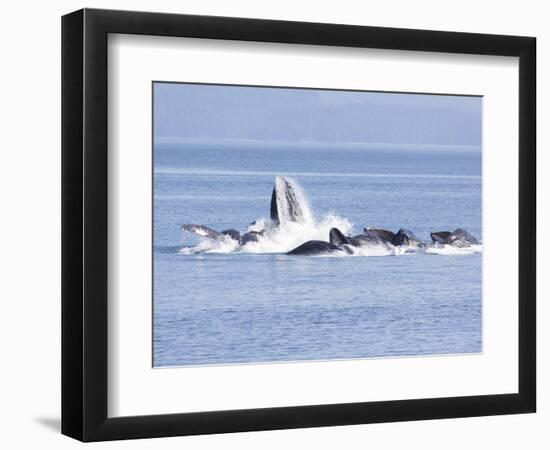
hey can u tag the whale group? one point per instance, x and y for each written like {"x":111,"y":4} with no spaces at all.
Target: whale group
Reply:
{"x":286,"y":208}
{"x":371,"y":237}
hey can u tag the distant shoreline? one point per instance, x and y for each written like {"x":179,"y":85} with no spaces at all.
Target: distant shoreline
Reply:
{"x":260,"y":144}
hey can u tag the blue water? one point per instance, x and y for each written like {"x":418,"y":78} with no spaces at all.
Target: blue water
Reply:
{"x":230,"y":308}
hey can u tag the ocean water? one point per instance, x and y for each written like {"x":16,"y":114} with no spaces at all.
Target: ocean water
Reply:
{"x":215,"y":305}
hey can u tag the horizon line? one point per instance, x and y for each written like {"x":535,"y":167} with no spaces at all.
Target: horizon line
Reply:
{"x":308,"y":142}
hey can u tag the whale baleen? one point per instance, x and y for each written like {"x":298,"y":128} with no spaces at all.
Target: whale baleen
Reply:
{"x":285,"y":203}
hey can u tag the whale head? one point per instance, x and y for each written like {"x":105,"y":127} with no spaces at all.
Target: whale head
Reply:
{"x":336,"y":237}
{"x":288,"y":203}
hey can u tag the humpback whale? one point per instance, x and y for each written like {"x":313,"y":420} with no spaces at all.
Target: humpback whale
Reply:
{"x":288,"y":206}
{"x":403,"y":237}
{"x":202,"y":231}
{"x":458,"y":238}
{"x":207,"y":232}
{"x":361,"y":240}
{"x":338,"y":242}
{"x":379,"y":233}
{"x":407,"y":238}
{"x":371,"y":237}
{"x":232,"y":233}
{"x":318,"y":248}
{"x":377,"y":236}
{"x":285,"y":203}
{"x":440,"y":237}
{"x":336,"y":237}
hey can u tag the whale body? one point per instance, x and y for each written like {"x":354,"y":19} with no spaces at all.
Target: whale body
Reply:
{"x":370,"y":238}
{"x":458,"y":238}
{"x":361,"y":240}
{"x":380,"y":233}
{"x":202,"y":231}
{"x":207,"y":232}
{"x":310,"y":248}
{"x":407,"y":238}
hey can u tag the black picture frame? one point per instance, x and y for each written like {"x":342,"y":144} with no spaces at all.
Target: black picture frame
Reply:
{"x":84,"y":224}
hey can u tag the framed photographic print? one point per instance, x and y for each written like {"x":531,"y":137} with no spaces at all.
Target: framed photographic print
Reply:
{"x":273,"y":224}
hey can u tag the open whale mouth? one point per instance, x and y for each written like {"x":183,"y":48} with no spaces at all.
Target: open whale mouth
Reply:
{"x":288,"y":204}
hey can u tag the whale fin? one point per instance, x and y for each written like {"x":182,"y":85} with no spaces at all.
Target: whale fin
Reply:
{"x":336,"y":237}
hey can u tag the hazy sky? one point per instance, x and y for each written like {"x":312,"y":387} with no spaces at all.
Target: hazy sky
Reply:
{"x":191,"y":111}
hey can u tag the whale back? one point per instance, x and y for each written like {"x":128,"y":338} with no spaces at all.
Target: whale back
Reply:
{"x":316,"y":248}
{"x":369,"y":239}
{"x":379,"y":233}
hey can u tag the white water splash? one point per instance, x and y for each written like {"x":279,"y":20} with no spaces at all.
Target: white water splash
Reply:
{"x":207,"y":245}
{"x":379,"y":250}
{"x":289,"y":235}
{"x":439,"y":249}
